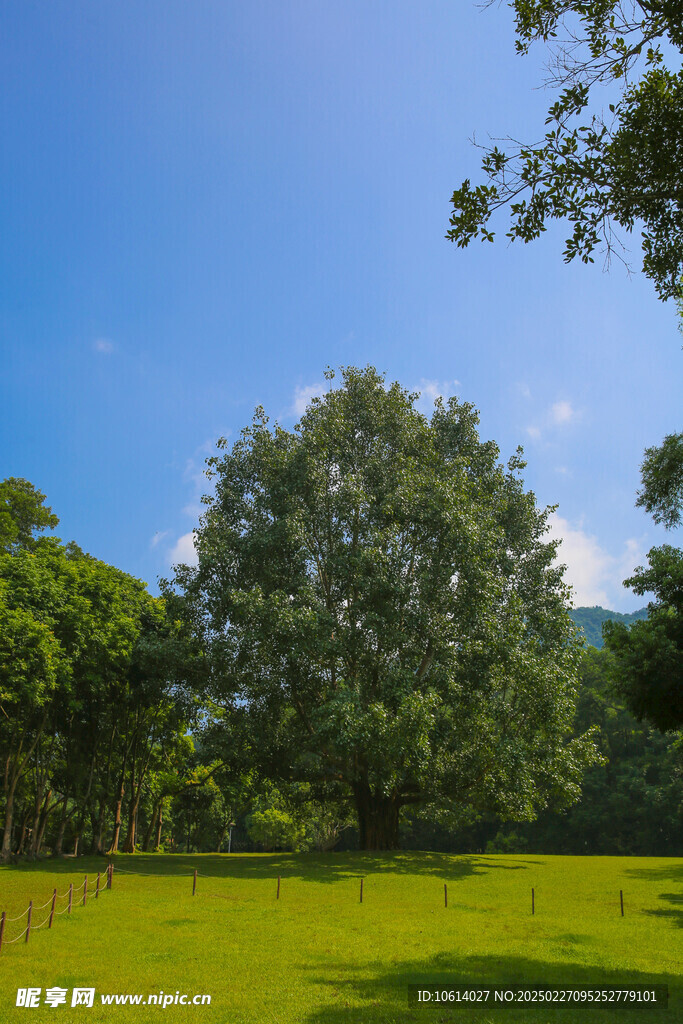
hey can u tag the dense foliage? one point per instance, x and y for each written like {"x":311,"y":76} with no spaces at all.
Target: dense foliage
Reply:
{"x":381,"y":614}
{"x":96,"y":754}
{"x":595,"y":170}
{"x":649,"y":657}
{"x":91,"y":725}
{"x":630,"y":804}
{"x":662,"y":476}
{"x":374,"y":622}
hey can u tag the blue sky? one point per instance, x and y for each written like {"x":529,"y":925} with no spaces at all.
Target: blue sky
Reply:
{"x":205,"y":204}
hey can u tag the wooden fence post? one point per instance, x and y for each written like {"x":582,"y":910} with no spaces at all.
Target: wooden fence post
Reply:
{"x":28,"y":924}
{"x":2,"y":928}
{"x":97,"y":888}
{"x":361,"y":890}
{"x":111,"y":874}
{"x":621,"y":900}
{"x":445,"y":895}
{"x":52,"y":908}
{"x":71,"y":895}
{"x":194,"y":882}
{"x":85,"y":889}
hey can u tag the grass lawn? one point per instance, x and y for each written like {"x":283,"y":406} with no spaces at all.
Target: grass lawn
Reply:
{"x":319,"y":956}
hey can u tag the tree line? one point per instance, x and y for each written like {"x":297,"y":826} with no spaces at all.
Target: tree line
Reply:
{"x":91,"y":718}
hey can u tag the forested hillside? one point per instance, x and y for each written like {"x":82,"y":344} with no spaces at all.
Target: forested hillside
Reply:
{"x":590,"y":620}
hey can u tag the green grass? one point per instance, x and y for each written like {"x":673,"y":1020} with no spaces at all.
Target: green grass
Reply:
{"x":318,"y":956}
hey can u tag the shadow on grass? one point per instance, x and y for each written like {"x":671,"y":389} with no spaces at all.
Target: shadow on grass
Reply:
{"x":75,"y":867}
{"x":315,"y":867}
{"x":383,"y":998}
{"x":667,"y":873}
{"x":324,"y":868}
{"x":675,"y":912}
{"x":662,"y":873}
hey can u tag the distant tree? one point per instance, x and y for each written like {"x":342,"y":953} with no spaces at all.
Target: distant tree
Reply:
{"x":89,"y":696}
{"x":595,"y":170}
{"x":23,"y":513}
{"x":32,"y":666}
{"x":649,"y":655}
{"x":380,"y":611}
{"x":662,"y":476}
{"x":275,"y":829}
{"x":630,"y":804}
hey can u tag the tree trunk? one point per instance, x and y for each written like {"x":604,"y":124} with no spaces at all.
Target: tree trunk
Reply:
{"x":98,"y":832}
{"x":129,"y":844}
{"x":39,"y":824}
{"x":160,"y":821}
{"x":138,"y":775}
{"x":151,"y":828}
{"x":129,"y":841}
{"x":13,"y":772}
{"x":117,"y":813}
{"x":221,"y":838}
{"x":9,"y":821}
{"x":23,"y":832}
{"x":38,"y":807}
{"x":377,"y":818}
{"x":48,"y":808}
{"x":117,"y":823}
{"x":59,"y":842}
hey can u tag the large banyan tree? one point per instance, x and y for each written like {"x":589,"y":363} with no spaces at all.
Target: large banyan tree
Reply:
{"x":380,"y":612}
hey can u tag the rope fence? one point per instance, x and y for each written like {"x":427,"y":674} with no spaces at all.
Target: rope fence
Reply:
{"x":73,"y":890}
{"x":51,"y":903}
{"x":17,"y":918}
{"x":194,"y":875}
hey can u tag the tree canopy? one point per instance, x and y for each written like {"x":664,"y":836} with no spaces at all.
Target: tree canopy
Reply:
{"x":662,"y":476}
{"x":649,"y":656}
{"x":380,"y":610}
{"x":23,"y":513}
{"x":597,"y":170}
{"x":88,"y":662}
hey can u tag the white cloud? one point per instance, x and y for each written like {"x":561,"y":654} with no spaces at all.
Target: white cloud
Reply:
{"x":194,"y":509}
{"x":303,"y":396}
{"x":633,"y":556}
{"x":195,"y":473}
{"x":184,"y":551}
{"x":158,"y":537}
{"x":595,"y":575}
{"x":430,"y":390}
{"x":103,"y":345}
{"x":561,"y":413}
